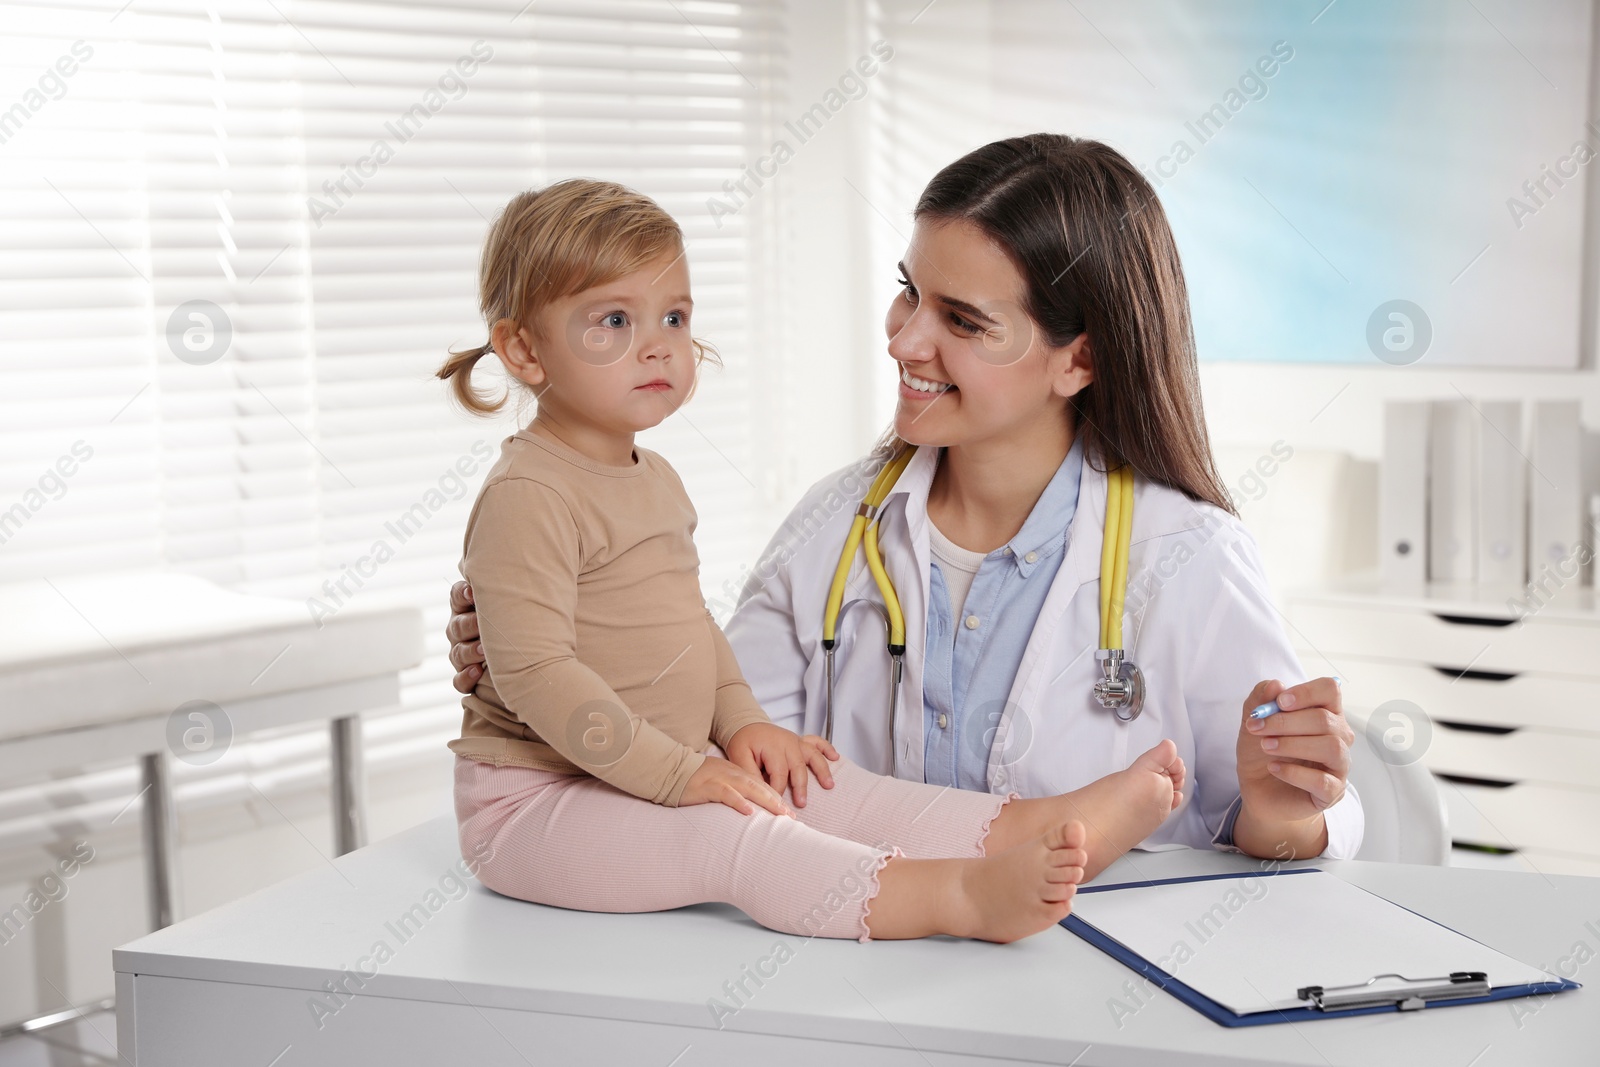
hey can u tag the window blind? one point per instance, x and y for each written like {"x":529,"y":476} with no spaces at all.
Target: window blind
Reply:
{"x":237,"y":239}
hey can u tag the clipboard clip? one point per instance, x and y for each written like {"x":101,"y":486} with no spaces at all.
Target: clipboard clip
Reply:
{"x":1456,"y":985}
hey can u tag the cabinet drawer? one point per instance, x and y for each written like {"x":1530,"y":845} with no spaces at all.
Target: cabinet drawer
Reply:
{"x":1526,"y":755}
{"x":1528,"y":815}
{"x":1399,"y":632}
{"x":1505,"y":699}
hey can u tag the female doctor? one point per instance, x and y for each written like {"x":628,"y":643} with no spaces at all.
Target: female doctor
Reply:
{"x":1042,"y":339}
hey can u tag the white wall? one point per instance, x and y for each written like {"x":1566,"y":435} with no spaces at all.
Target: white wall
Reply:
{"x":823,"y":313}
{"x":1340,"y":406}
{"x":949,"y":89}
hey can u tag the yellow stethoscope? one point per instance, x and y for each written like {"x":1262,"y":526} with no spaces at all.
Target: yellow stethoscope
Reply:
{"x":1121,"y":685}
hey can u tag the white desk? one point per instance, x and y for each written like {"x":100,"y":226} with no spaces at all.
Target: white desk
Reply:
{"x":488,"y":980}
{"x":101,"y":667}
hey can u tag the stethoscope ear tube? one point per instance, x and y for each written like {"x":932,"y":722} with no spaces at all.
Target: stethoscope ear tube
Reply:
{"x":1114,"y":555}
{"x":866,"y":512}
{"x":864,"y":529}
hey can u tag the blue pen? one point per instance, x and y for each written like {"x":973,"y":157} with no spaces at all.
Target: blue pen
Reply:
{"x":1271,"y":706}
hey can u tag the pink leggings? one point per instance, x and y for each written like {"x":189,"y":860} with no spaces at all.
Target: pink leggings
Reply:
{"x":573,"y":841}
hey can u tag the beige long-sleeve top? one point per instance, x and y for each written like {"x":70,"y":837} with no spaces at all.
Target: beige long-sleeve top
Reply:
{"x":602,"y":656}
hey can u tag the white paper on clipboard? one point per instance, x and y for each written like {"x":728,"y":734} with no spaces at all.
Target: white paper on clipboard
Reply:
{"x":1249,"y":943}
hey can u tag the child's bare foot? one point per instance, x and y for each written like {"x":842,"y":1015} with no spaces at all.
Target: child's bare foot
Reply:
{"x":1025,"y":889}
{"x":1027,"y":878}
{"x":1119,"y":810}
{"x":1122,"y":809}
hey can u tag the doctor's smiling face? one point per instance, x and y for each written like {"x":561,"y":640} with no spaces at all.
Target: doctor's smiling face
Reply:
{"x":973,"y":365}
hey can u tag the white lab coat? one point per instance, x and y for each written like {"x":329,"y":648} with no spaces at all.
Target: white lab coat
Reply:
{"x":1199,"y":622}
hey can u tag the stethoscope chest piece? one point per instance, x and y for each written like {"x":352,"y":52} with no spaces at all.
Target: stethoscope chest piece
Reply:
{"x":1121,"y":685}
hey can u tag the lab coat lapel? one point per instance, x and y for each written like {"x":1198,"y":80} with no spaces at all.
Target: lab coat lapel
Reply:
{"x":906,"y":558}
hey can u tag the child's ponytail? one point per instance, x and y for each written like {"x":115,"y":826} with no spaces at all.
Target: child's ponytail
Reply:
{"x":457,"y":370}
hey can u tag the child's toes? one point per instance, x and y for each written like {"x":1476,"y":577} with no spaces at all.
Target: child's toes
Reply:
{"x":1067,"y":835}
{"x":1075,"y":857}
{"x":1159,"y":757}
{"x":1066,"y":872}
{"x":1077,"y":835}
{"x":1058,"y":892}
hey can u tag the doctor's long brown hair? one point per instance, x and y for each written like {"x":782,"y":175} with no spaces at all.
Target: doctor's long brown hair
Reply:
{"x":1092,"y":244}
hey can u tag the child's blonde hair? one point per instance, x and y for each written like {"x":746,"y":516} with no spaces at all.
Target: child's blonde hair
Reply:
{"x":553,"y":242}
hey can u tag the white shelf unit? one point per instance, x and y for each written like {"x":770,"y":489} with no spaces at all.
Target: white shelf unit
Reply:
{"x":1512,"y":696}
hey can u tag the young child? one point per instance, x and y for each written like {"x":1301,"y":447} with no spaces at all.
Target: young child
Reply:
{"x":612,"y":756}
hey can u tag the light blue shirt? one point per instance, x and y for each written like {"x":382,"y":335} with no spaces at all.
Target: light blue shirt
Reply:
{"x":965,"y":681}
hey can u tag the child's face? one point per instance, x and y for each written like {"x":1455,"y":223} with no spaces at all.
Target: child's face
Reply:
{"x":619,"y":356}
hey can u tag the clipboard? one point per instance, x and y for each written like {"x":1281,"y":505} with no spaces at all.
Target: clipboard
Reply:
{"x":1144,"y":918}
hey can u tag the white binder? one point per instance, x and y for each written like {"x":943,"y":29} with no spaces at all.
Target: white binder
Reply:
{"x":1403,"y":496}
{"x":1555,"y":516}
{"x":1452,"y":474}
{"x":1502,"y":495}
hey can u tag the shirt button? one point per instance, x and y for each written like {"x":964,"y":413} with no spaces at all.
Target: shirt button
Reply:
{"x":972,"y":622}
{"x":1008,"y":550}
{"x":944,"y":720}
{"x":1031,"y":556}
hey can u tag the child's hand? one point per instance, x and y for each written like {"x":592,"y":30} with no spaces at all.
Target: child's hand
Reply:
{"x":720,"y":782}
{"x":784,"y":755}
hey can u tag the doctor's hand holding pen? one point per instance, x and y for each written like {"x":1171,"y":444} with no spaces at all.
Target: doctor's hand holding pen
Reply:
{"x":1294,"y":760}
